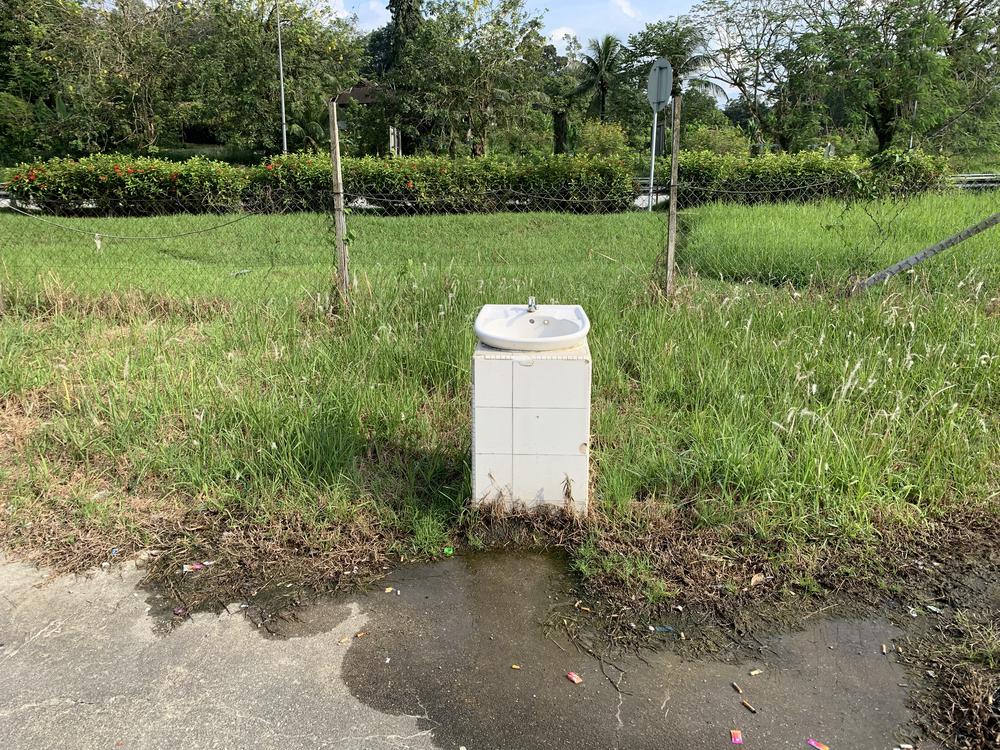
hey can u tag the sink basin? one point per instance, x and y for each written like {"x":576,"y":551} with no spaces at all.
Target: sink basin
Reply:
{"x":548,"y":327}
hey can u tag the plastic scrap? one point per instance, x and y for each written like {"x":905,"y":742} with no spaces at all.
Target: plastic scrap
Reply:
{"x":388,"y":589}
{"x":935,"y":610}
{"x":361,"y":634}
{"x":817,"y":744}
{"x":736,"y":736}
{"x":755,"y":672}
{"x":663,"y":629}
{"x":574,"y":678}
{"x":515,"y":666}
{"x":449,"y":551}
{"x":192,"y":567}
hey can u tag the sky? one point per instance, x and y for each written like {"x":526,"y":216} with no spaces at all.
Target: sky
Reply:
{"x":586,"y":19}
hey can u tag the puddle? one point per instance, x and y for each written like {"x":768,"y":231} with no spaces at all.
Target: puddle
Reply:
{"x":442,"y":650}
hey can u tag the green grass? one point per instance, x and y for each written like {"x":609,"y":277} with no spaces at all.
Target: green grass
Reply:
{"x":825,"y":243}
{"x":785,"y":425}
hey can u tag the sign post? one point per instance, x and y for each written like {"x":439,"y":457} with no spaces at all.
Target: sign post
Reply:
{"x":661,"y":80}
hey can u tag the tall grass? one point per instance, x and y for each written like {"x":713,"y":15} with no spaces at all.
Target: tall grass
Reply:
{"x":782,"y":418}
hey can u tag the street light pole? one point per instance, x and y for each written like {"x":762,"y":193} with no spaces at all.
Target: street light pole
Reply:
{"x":281,"y":81}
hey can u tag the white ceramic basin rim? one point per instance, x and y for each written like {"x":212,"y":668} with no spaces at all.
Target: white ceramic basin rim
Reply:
{"x":548,"y":327}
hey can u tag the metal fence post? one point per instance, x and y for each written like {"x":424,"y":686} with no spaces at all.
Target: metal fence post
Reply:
{"x":675,"y":148}
{"x":342,"y":280}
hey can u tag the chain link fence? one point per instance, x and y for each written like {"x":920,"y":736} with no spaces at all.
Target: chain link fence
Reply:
{"x":280,"y":248}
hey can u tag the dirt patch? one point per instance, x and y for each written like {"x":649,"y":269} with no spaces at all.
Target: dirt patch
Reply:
{"x":20,"y":418}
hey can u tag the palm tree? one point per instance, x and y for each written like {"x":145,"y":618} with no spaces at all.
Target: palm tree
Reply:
{"x":685,"y":44}
{"x":603,"y":65}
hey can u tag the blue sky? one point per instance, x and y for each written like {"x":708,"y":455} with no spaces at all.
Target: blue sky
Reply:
{"x":585,"y":18}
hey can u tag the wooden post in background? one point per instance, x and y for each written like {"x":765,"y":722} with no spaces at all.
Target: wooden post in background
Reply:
{"x":675,"y":147}
{"x":342,"y":281}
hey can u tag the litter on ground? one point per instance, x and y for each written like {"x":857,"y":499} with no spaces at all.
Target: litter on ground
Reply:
{"x":817,"y":744}
{"x":736,"y":736}
{"x":574,"y":678}
{"x":748,"y":707}
{"x":755,"y":672}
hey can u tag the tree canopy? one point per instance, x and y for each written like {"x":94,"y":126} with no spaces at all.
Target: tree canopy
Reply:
{"x":473,"y":76}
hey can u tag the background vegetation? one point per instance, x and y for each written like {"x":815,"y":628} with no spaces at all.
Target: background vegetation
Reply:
{"x":470,"y":77}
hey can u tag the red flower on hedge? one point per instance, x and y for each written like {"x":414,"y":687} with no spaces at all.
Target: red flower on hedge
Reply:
{"x":118,"y":169}
{"x":409,"y":184}
{"x":269,"y":166}
{"x":173,"y":177}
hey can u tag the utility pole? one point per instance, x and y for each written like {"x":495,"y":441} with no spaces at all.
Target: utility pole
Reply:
{"x":281,"y":81}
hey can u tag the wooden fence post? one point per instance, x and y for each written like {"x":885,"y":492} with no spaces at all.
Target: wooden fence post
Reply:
{"x":342,"y":280}
{"x":675,"y":147}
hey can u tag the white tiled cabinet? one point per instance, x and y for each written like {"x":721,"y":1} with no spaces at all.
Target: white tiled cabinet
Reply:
{"x":531,"y":427}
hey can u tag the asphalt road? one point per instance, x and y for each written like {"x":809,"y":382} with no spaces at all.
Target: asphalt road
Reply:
{"x":85,"y":662}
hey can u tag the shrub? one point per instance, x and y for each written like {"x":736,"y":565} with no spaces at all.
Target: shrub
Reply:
{"x":430,"y":184}
{"x":606,"y":139}
{"x":705,"y":176}
{"x":118,"y":185}
{"x":726,"y":139}
{"x":902,"y":171}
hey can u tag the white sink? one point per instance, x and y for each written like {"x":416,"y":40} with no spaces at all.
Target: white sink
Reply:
{"x":545,"y":328}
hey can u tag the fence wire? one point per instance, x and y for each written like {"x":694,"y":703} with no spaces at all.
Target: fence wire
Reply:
{"x":277,"y":247}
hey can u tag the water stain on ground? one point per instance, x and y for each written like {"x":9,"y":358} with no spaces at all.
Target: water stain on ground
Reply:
{"x":443,"y":649}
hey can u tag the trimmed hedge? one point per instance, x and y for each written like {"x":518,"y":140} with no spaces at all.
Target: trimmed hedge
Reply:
{"x":119,"y":185}
{"x":430,"y":184}
{"x":776,"y":178}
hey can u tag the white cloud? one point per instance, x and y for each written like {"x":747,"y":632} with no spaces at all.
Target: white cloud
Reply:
{"x":377,"y":14}
{"x":626,"y":7}
{"x":337,"y":8}
{"x":558,"y":36}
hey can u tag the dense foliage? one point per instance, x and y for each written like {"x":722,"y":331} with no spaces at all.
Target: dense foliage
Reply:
{"x":776,"y":178}
{"x":122,"y":185}
{"x":478,"y":77}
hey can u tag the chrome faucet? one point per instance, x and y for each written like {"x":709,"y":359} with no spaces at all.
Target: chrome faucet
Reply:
{"x":532,"y":307}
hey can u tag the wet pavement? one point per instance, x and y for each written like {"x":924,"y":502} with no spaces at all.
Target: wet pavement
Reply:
{"x":84,"y":664}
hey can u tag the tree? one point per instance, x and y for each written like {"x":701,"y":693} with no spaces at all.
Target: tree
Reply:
{"x":603,"y":66}
{"x":472,"y":66}
{"x":685,"y":44}
{"x":406,"y":20}
{"x":751,"y":37}
{"x":561,"y":78}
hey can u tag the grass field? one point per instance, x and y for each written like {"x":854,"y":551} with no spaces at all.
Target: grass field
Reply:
{"x":771,"y":427}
